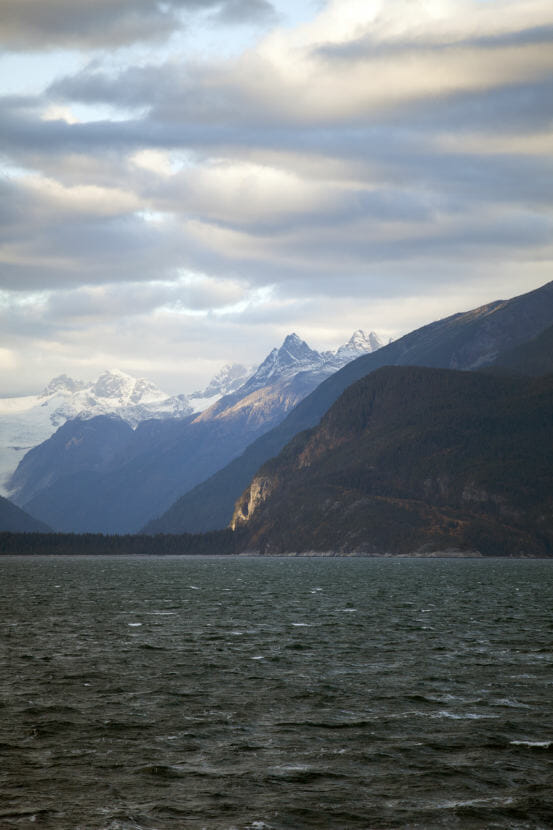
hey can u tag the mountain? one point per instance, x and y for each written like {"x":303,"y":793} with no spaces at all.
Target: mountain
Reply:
{"x":230,"y":378}
{"x":532,"y":358}
{"x":80,"y":444}
{"x":26,"y":422}
{"x":143,"y":473}
{"x":463,"y":341}
{"x":15,"y":520}
{"x":411,"y":459}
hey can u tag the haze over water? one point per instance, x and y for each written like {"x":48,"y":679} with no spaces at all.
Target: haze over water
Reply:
{"x":275,"y":694}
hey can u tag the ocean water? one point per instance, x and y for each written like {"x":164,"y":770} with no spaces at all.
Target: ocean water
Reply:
{"x":275,"y":694}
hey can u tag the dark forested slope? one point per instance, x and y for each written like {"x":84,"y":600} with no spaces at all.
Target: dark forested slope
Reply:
{"x":414,"y":459}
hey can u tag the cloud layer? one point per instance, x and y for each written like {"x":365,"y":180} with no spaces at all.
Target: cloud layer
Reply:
{"x":79,"y":24}
{"x":381,"y":152}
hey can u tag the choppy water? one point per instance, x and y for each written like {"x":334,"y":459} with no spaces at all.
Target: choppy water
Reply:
{"x":276,"y":693}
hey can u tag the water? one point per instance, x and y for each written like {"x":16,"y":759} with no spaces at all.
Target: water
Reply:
{"x":276,"y":694}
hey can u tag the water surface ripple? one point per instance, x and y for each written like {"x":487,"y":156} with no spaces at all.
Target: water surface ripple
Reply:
{"x":275,"y":694}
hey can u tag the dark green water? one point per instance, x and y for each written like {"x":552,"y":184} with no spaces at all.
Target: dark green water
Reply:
{"x":276,"y":693}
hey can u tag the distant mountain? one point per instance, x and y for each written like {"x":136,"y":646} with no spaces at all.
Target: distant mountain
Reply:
{"x":15,"y":520}
{"x":411,"y":459}
{"x":142,"y":473}
{"x":26,"y":422}
{"x":230,"y":378}
{"x":89,"y":444}
{"x":463,"y":341}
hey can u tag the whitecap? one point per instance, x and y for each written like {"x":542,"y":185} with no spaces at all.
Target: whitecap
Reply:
{"x":302,"y":625}
{"x":473,"y":802}
{"x":514,"y":704}
{"x":134,"y":625}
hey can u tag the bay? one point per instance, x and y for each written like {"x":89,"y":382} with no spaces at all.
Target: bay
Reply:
{"x":152,"y":693}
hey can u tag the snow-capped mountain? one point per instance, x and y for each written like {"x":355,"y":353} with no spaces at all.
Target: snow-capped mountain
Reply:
{"x":358,"y":344}
{"x":241,"y":404}
{"x":292,"y":357}
{"x":295,"y":356}
{"x":115,"y":392}
{"x":230,"y":378}
{"x":27,"y":421}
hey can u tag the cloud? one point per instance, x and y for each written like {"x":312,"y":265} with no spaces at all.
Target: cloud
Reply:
{"x":244,"y":11}
{"x":381,"y":150}
{"x":70,"y":24}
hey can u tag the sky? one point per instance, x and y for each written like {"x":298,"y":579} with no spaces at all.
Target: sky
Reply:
{"x":185,"y":182}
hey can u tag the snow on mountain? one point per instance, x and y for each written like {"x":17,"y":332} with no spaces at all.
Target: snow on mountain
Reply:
{"x":230,"y":378}
{"x":292,"y":357}
{"x":295,"y":356}
{"x":358,"y":344}
{"x":30,"y":420}
{"x":27,"y":421}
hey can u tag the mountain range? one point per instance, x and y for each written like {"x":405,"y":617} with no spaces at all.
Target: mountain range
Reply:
{"x":438,"y":442}
{"x":491,"y":334}
{"x":27,"y":421}
{"x":99,"y":474}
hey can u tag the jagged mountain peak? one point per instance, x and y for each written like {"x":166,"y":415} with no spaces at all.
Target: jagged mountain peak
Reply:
{"x":294,"y":355}
{"x":360,"y":343}
{"x":296,"y":348}
{"x":63,"y":384}
{"x":116,"y":384}
{"x":293,"y":341}
{"x":227,"y":379}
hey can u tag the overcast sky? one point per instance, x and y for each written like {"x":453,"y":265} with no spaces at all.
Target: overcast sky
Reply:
{"x":185,"y":182}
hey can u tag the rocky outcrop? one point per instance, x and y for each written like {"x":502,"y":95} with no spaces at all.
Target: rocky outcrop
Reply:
{"x":256,"y":494}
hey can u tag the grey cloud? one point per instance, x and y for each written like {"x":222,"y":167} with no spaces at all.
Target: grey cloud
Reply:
{"x":48,"y":24}
{"x":207,"y":105}
{"x":244,"y":11}
{"x":368,"y":47}
{"x":509,"y":107}
{"x":401,"y":177}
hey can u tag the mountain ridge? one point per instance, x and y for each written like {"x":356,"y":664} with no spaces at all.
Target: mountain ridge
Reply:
{"x":150,"y":469}
{"x":458,"y":341}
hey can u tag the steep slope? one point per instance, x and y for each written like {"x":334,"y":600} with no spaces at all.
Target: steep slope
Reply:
{"x":413,"y":459}
{"x":15,"y":520}
{"x":80,"y":444}
{"x":532,"y":358}
{"x":463,"y":341}
{"x":164,"y":459}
